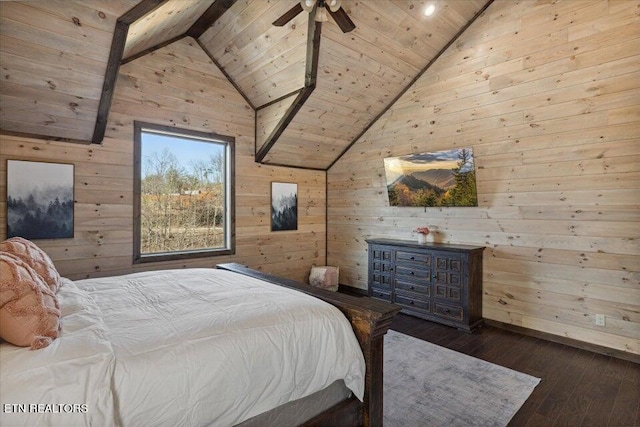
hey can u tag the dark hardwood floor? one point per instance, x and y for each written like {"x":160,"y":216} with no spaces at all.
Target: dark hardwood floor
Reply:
{"x":578,"y":387}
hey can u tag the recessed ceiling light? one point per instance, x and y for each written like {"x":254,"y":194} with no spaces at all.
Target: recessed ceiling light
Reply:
{"x":430,"y":9}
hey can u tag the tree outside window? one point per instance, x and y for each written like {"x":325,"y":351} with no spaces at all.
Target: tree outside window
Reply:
{"x":184,"y":199}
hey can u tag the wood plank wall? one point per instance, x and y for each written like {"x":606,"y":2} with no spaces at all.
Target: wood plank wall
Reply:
{"x":176,"y":86}
{"x":548,"y":96}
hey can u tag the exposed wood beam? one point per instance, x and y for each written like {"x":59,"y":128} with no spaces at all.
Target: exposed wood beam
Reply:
{"x":111,"y":75}
{"x":202,"y":24}
{"x":310,"y":77}
{"x":113,"y":65}
{"x":118,"y":44}
{"x":209,"y":17}
{"x":284,"y":122}
{"x":42,"y":137}
{"x":268,"y":104}
{"x":140,"y":10}
{"x":235,"y":85}
{"x":314,"y":34}
{"x":411,"y":83}
{"x":307,"y":168}
{"x":151,"y":49}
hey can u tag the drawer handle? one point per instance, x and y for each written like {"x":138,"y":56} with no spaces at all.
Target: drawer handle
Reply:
{"x":435,"y":276}
{"x":412,"y":273}
{"x":412,"y":288}
{"x":411,"y":302}
{"x":413,"y":257}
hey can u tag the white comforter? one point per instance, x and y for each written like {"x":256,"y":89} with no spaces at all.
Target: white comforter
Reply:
{"x":180,"y":348}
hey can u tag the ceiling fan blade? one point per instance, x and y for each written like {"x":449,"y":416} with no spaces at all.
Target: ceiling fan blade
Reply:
{"x":288,"y":16}
{"x":342,"y":19}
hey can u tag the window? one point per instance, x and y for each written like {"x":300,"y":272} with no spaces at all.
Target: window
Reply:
{"x":183,"y":193}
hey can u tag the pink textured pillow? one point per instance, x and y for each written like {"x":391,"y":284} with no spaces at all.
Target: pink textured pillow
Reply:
{"x":29,"y":310}
{"x":35,"y":257}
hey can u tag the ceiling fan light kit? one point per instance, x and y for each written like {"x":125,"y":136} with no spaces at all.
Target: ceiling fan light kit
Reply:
{"x":321,"y":15}
{"x":322,"y":8}
{"x":307,"y":5}
{"x":334,"y":5}
{"x":430,"y":8}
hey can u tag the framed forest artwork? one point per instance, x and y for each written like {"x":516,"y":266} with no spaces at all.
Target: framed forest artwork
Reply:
{"x":284,"y":206}
{"x":39,"y":200}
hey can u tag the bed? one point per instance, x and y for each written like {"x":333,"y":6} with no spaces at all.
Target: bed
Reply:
{"x":226,"y":346}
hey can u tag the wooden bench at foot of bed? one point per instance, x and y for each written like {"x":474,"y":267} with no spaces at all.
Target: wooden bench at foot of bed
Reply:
{"x":370,"y":320}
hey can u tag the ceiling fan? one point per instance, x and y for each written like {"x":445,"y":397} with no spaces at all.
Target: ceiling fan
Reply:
{"x":321,"y":6}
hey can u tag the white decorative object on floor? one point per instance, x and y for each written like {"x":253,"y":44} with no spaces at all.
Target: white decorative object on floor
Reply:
{"x":324,"y":277}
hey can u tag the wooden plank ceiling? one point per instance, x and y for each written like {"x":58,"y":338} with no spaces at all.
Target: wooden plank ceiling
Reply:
{"x":54,"y":58}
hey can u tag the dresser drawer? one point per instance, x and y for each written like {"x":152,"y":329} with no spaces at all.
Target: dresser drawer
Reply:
{"x":423,"y":289}
{"x":412,"y":303}
{"x":422,"y":258}
{"x":409,"y":272}
{"x":448,"y":312}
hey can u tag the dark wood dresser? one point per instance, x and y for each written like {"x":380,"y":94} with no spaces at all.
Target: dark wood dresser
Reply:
{"x":434,"y":281}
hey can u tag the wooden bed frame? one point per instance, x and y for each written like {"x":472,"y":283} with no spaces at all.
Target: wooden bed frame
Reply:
{"x":370,"y":320}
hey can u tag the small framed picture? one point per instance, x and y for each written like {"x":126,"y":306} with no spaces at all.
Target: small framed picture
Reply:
{"x":39,"y":200}
{"x":284,"y":206}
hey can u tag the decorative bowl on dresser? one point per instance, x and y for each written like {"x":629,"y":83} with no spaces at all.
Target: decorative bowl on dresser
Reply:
{"x":434,"y":281}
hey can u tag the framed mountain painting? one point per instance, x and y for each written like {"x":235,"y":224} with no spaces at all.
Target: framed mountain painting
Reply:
{"x":436,"y":179}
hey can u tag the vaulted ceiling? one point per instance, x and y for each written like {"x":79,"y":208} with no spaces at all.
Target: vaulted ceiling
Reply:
{"x":315,"y":89}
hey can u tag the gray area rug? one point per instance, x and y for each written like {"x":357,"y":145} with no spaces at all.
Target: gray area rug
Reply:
{"x":426,"y":385}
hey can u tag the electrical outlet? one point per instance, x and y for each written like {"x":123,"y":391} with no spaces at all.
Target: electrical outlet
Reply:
{"x":599,"y":319}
